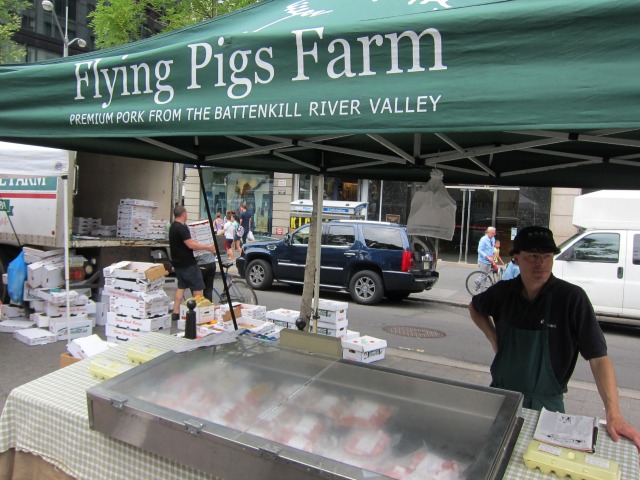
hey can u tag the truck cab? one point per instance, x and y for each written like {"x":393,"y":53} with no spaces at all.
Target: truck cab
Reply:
{"x":604,"y":258}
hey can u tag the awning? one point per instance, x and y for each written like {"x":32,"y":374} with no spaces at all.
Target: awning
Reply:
{"x":514,"y":92}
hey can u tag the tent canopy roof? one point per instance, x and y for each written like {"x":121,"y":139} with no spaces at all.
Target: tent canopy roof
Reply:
{"x":514,"y":92}
{"x":19,"y":161}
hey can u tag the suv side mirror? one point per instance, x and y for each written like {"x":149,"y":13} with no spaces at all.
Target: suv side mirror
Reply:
{"x":287,"y":239}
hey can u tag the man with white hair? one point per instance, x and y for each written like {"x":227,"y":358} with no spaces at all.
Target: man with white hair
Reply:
{"x":485,"y":249}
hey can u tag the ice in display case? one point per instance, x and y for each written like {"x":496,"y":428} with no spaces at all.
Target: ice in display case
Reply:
{"x":254,"y":410}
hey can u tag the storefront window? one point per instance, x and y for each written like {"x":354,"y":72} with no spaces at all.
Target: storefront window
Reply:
{"x":373,"y":202}
{"x":227,"y":190}
{"x":334,"y":188}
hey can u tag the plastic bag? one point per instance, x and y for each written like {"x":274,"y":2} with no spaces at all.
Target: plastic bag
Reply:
{"x":17,"y":275}
{"x":250,"y":237}
{"x":433,"y":211}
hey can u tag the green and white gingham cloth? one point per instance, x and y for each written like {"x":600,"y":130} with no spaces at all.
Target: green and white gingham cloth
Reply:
{"x":48,"y":417}
{"x":624,"y":452}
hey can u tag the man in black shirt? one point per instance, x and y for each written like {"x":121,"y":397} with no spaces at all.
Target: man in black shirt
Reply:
{"x":245,"y":222}
{"x":537,"y":325}
{"x":184,"y":262}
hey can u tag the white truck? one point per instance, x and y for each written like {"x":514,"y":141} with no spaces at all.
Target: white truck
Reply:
{"x":604,"y":257}
{"x":32,"y":209}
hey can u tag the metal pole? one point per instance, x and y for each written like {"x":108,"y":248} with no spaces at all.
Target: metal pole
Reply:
{"x":65,"y":40}
{"x":65,"y":215}
{"x":464,"y":204}
{"x":316,"y":286}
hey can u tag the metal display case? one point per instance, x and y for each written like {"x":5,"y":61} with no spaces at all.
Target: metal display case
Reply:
{"x":253,"y":410}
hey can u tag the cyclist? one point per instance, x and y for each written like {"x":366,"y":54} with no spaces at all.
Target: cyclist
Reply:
{"x":485,"y":250}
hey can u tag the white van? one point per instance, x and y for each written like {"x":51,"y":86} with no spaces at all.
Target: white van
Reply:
{"x":605,"y":258}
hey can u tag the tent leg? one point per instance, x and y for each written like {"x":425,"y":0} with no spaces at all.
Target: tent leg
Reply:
{"x":65,"y":215}
{"x":316,"y":284}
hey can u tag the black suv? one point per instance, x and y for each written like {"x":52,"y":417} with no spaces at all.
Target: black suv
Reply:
{"x":369,"y":259}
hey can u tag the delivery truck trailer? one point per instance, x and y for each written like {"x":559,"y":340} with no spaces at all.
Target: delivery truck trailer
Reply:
{"x":32,"y":208}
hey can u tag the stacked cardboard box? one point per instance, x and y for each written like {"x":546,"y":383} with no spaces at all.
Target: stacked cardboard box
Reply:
{"x":137,"y":302}
{"x":132,"y":217}
{"x":201,"y":233}
{"x":333,"y":318}
{"x":84,"y":225}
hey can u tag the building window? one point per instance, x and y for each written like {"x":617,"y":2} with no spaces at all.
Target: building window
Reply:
{"x":334,"y":189}
{"x":227,"y":190}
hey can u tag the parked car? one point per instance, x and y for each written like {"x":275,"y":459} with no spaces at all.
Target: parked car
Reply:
{"x":370,"y":260}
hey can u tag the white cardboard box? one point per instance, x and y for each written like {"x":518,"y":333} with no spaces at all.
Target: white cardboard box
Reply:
{"x":153,"y":324}
{"x":53,"y":310}
{"x":35,"y":271}
{"x":257,"y":312}
{"x":80,"y":326}
{"x":351,"y":334}
{"x":87,"y":347}
{"x":35,"y":336}
{"x":283,"y":317}
{"x":33,"y":255}
{"x":332,"y":311}
{"x":329,"y":329}
{"x":135,"y":270}
{"x":122,"y":335}
{"x":136,"y":285}
{"x":364,"y":349}
{"x":203,"y":314}
{"x":12,"y":311}
{"x":56,"y":295}
{"x":53,"y":275}
{"x":10,"y":326}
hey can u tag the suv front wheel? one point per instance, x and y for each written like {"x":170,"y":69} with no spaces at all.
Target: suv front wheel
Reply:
{"x":259,"y":274}
{"x":366,"y":287}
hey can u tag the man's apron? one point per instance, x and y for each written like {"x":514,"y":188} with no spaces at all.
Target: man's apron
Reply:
{"x":523,"y":364}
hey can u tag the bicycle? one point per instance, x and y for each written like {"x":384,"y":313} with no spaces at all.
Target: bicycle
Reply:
{"x":479,"y":281}
{"x":239,"y":290}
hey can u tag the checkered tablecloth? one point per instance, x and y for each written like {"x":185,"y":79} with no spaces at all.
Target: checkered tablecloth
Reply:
{"x":624,"y":452}
{"x":48,"y":417}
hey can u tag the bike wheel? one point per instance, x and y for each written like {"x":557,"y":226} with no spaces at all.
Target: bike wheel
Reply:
{"x":478,"y":282}
{"x":241,"y":292}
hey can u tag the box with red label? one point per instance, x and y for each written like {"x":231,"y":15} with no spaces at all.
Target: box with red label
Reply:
{"x":121,"y":335}
{"x":364,"y":349}
{"x":152,"y":324}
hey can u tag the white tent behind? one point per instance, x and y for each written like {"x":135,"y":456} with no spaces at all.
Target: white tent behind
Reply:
{"x":18,"y":161}
{"x":23,"y":161}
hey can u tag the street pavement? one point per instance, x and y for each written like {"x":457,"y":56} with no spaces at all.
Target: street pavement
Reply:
{"x":21,"y":363}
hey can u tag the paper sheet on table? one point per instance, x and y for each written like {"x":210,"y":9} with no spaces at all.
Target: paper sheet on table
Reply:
{"x":576,"y":432}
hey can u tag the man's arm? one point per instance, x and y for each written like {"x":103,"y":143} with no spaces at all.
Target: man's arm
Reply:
{"x":605,"y":377}
{"x":193,"y":245}
{"x":486,"y":325}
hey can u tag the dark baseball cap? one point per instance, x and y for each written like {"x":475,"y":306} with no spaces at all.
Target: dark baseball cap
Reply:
{"x":534,"y":239}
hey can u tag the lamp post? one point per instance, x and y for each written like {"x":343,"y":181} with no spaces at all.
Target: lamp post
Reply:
{"x":47,"y":6}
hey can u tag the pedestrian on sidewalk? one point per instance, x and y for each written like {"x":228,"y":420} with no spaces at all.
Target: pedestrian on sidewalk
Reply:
{"x":537,"y":325}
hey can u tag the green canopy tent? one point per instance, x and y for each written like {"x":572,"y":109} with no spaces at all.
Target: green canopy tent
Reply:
{"x":513,"y":92}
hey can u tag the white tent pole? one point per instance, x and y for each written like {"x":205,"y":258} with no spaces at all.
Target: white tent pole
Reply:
{"x":65,"y":215}
{"x":316,"y":284}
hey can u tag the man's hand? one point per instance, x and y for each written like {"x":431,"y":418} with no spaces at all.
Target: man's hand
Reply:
{"x":617,"y":427}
